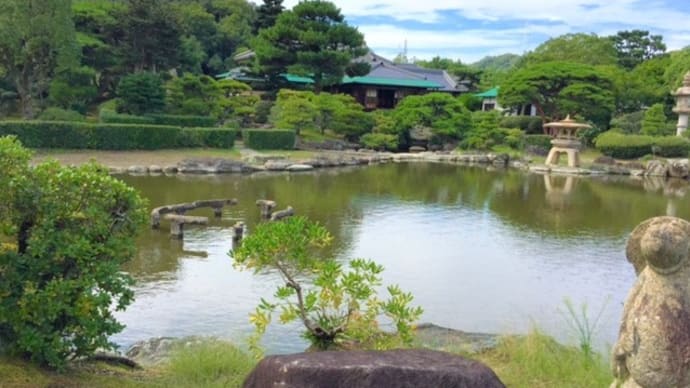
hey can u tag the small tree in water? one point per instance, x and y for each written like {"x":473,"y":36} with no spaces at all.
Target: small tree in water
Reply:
{"x":336,"y":305}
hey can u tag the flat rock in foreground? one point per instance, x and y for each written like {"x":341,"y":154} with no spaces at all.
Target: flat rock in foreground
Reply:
{"x":401,"y":368}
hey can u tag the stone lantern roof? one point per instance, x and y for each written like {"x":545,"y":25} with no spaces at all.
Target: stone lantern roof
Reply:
{"x":566,"y":123}
{"x":682,"y":96}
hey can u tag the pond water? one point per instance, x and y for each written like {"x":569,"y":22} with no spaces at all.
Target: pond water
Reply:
{"x":485,"y":251}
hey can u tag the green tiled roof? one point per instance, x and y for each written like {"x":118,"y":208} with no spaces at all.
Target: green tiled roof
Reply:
{"x":491,"y":93}
{"x":410,"y":83}
{"x":298,"y":79}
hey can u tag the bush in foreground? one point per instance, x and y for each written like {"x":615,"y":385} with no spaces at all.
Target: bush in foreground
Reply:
{"x":341,"y":307}
{"x":73,"y":228}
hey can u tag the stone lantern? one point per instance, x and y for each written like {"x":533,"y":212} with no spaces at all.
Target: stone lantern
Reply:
{"x":683,"y":105}
{"x":565,"y":141}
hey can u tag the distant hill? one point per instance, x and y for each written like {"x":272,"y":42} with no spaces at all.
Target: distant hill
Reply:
{"x":498,"y":62}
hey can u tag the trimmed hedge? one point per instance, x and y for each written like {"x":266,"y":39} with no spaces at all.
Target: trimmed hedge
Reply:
{"x":207,"y":137}
{"x":183,"y":120}
{"x":112,"y":117}
{"x":75,"y":135}
{"x":529,"y":124}
{"x":269,"y":139}
{"x":618,"y":145}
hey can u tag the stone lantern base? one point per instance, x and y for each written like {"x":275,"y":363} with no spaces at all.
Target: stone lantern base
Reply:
{"x":564,"y":146}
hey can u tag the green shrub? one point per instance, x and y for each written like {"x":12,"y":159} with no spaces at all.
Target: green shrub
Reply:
{"x":655,"y":123}
{"x":530,"y":124}
{"x":183,"y":120}
{"x":629,"y":122}
{"x":671,"y":146}
{"x":263,"y":110}
{"x":617,"y":145}
{"x":111,"y":117}
{"x":141,"y":93}
{"x":207,"y":137}
{"x":60,"y":134}
{"x":537,"y":141}
{"x":73,"y":229}
{"x":380,"y":141}
{"x":514,"y":137}
{"x":269,"y":139}
{"x":59,"y":114}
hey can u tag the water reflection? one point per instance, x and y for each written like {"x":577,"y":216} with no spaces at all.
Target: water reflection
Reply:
{"x":481,"y":250}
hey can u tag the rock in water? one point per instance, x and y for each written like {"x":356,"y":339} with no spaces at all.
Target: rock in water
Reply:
{"x":653,"y":347}
{"x":368,"y":369}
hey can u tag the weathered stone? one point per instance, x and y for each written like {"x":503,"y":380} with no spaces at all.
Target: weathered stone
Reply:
{"x":500,"y":160}
{"x":678,"y":169}
{"x":299,"y":167}
{"x":157,"y":351}
{"x":656,"y":168}
{"x":212,"y":166}
{"x":117,"y":170}
{"x":280,"y":214}
{"x":266,"y":207}
{"x":170,"y":170}
{"x":607,"y":160}
{"x":654,"y":339}
{"x":369,"y":369}
{"x":155,"y":168}
{"x":137,"y":170}
{"x":277,"y":165}
{"x":416,"y":149}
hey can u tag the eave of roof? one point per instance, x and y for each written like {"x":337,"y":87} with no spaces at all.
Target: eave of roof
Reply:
{"x":410,"y":83}
{"x":491,"y":93}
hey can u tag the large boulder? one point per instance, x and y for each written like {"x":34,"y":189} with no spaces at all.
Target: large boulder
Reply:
{"x":212,"y":166}
{"x":656,"y":168}
{"x":678,"y":169}
{"x":653,"y":347}
{"x":369,"y":369}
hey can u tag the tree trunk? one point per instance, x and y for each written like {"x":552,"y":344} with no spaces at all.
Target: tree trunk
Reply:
{"x":23,"y":84}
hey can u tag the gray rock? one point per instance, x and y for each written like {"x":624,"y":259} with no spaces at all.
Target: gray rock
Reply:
{"x":678,"y":169}
{"x":299,"y":167}
{"x":368,"y":369}
{"x":170,"y":169}
{"x":117,"y":170}
{"x":212,"y":166}
{"x":137,"y":170}
{"x":277,"y":165}
{"x":656,"y":168}
{"x":155,"y":168}
{"x":417,"y":149}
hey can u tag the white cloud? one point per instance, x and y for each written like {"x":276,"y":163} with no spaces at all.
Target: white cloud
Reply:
{"x":482,"y":35}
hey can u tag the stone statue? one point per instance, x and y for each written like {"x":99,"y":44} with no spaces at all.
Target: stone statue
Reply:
{"x":653,"y":347}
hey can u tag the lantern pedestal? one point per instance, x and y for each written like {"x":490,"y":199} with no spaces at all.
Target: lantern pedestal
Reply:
{"x":565,"y":142}
{"x":683,"y":105}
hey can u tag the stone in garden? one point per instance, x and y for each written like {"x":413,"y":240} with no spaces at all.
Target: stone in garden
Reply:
{"x":417,"y":149}
{"x":137,"y":170}
{"x":605,"y":160}
{"x":656,"y":168}
{"x":300,"y":167}
{"x":653,"y":347}
{"x":155,"y":168}
{"x":678,"y":169}
{"x":369,"y":369}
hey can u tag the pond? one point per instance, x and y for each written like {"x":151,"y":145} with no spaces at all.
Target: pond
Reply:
{"x":484,"y":251}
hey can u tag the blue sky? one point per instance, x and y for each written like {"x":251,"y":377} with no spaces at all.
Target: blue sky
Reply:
{"x":471,"y":29}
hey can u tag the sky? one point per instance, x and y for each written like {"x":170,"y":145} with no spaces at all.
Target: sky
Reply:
{"x":471,"y":29}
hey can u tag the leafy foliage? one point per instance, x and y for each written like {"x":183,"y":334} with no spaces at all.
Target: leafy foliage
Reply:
{"x":57,"y":114}
{"x":380,"y":141}
{"x":74,"y":88}
{"x":630,"y":123}
{"x":622,"y":146}
{"x":73,"y":227}
{"x":141,"y":93}
{"x":193,"y":95}
{"x":443,"y":114}
{"x":340,"y":306}
{"x":636,"y":46}
{"x":311,"y":39}
{"x":267,"y":14}
{"x":588,"y":49}
{"x":75,"y":135}
{"x":269,"y":139}
{"x":36,"y":38}
{"x":560,"y":88}
{"x":654,"y":122}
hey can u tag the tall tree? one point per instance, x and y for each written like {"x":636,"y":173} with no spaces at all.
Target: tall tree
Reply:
{"x":560,"y":88}
{"x":312,"y":39}
{"x":267,"y":14}
{"x":589,"y":49}
{"x":151,"y":36}
{"x":636,"y":46}
{"x":36,"y":38}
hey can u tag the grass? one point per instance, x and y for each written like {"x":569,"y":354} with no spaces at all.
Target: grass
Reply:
{"x":208,"y":364}
{"x":537,"y":360}
{"x":129,"y":158}
{"x":317,"y":136}
{"x":534,"y":360}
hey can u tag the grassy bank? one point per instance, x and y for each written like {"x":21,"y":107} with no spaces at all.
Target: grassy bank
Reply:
{"x":535,"y":360}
